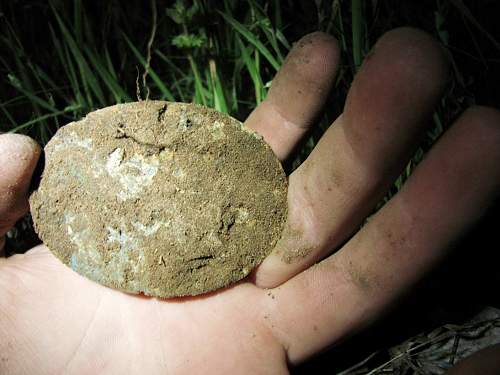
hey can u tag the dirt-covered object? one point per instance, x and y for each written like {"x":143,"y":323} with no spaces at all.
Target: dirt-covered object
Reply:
{"x":165,"y":199}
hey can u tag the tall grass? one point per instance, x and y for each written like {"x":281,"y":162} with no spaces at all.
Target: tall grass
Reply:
{"x":222,"y":54}
{"x":201,"y":55}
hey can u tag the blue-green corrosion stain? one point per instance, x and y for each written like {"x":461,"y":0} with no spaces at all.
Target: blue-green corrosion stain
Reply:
{"x":86,"y":262}
{"x":94,"y":273}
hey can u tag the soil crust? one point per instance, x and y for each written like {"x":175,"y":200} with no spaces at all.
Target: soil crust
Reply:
{"x":166,"y":199}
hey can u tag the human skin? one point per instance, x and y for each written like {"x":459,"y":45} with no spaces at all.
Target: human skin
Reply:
{"x":53,"y":321}
{"x":484,"y":362}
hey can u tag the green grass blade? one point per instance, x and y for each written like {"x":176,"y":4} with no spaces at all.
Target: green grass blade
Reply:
{"x":44,"y":78}
{"x":33,"y":98}
{"x":7,"y":114}
{"x":252,"y":70}
{"x":178,"y":77}
{"x":166,"y":93}
{"x":43,"y":118}
{"x":115,"y":88}
{"x":173,"y":66}
{"x":357,"y":34}
{"x":77,"y":20}
{"x":66,"y":63}
{"x":277,"y":14}
{"x":86,"y":74}
{"x":199,"y":94}
{"x":219,"y":97}
{"x":109,"y":63}
{"x":250,"y":37}
{"x":282,"y":40}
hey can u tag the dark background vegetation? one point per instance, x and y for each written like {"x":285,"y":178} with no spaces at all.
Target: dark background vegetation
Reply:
{"x":62,"y":59}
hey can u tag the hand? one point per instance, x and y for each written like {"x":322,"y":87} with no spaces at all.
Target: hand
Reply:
{"x":55,"y":321}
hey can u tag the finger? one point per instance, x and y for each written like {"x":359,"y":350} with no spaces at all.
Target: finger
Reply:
{"x":486,"y":361}
{"x":18,"y":158}
{"x":297,"y":94}
{"x":449,"y":191}
{"x":353,"y":165}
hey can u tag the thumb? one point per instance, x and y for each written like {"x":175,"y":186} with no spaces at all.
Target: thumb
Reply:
{"x":19,"y":155}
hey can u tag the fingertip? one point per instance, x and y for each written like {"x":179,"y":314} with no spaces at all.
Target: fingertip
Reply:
{"x":297,"y":94}
{"x":400,"y":81}
{"x":272,"y":272}
{"x":260,"y":276}
{"x":306,"y":77}
{"x":419,"y":51}
{"x":319,"y":38}
{"x":19,"y":140}
{"x":484,"y":117}
{"x":18,"y":149}
{"x":19,"y":155}
{"x":477,"y":132}
{"x":317,"y":56}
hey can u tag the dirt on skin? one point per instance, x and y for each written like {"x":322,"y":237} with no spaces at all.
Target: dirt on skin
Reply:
{"x":165,"y":199}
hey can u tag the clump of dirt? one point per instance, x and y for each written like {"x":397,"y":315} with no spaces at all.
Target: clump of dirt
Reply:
{"x":165,"y":199}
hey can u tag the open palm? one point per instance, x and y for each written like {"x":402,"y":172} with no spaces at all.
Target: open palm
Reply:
{"x":53,"y":321}
{"x":59,"y":322}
